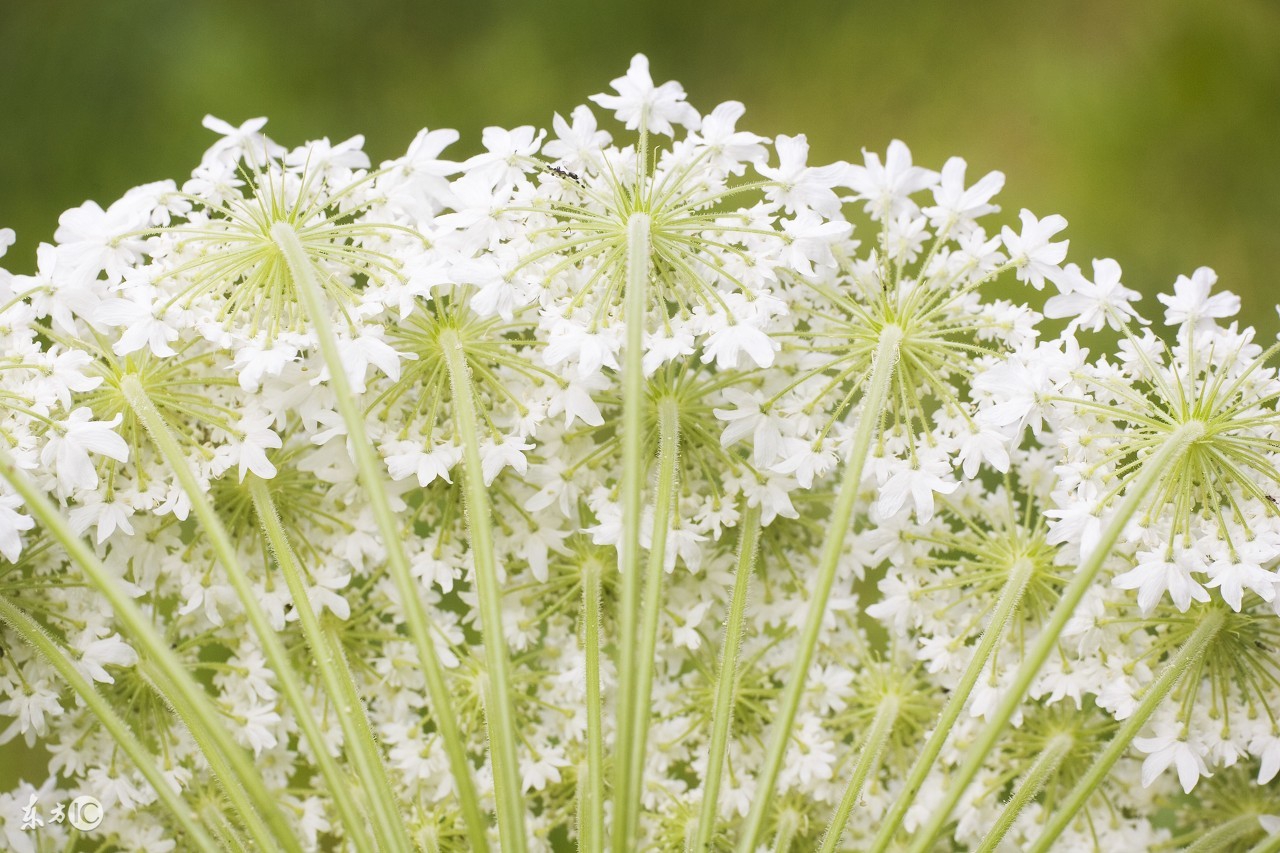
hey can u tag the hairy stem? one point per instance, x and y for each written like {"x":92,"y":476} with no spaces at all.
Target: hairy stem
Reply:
{"x":1042,"y":769}
{"x":230,"y":763}
{"x":28,"y":629}
{"x":664,"y":506}
{"x":499,"y":705}
{"x":1149,"y":477}
{"x":727,"y":683}
{"x":591,"y":820}
{"x":1228,"y":836}
{"x":632,"y":486}
{"x":1014,"y":586}
{"x":225,"y":553}
{"x":872,"y":413}
{"x":872,"y":748}
{"x":368,"y":465}
{"x":336,"y":677}
{"x":1191,"y":651}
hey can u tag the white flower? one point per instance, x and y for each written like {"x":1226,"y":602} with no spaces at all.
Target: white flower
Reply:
{"x":1153,"y":576}
{"x":12,"y":523}
{"x":798,"y":186}
{"x":955,"y":204}
{"x":685,"y":633}
{"x":1166,"y":750}
{"x":1031,"y":252}
{"x":508,"y":452}
{"x":67,"y":451}
{"x":919,"y":482}
{"x":1191,"y":302}
{"x":256,"y":729}
{"x":358,"y":353}
{"x":544,"y":770}
{"x":639,"y":103}
{"x":107,"y":651}
{"x":730,"y":148}
{"x":887,"y":187}
{"x":728,"y":343}
{"x":578,"y":144}
{"x":245,"y":141}
{"x":407,"y":459}
{"x":1232,"y":575}
{"x":1093,"y":304}
{"x":257,"y":438}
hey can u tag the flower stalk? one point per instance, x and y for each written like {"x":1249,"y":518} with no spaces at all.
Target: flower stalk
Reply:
{"x":1191,"y":651}
{"x":244,"y":786}
{"x":29,"y":630}
{"x":638,"y":264}
{"x":312,"y":295}
{"x":1019,"y":576}
{"x":873,"y":403}
{"x":591,"y":807}
{"x":727,"y":684}
{"x":1152,"y":472}
{"x":1041,"y":771}
{"x":326,"y":646}
{"x":225,"y":553}
{"x":869,"y":754}
{"x":499,"y":705}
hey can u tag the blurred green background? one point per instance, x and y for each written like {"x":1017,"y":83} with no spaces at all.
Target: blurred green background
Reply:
{"x":1154,"y":127}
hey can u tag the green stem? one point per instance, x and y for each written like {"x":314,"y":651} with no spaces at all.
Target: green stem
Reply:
{"x":727,"y":685}
{"x":1150,"y":475}
{"x":591,"y":826}
{"x":1192,"y":650}
{"x":336,"y":677}
{"x":1045,"y":765}
{"x":30,"y":630}
{"x":868,"y":760}
{"x":272,"y":647}
{"x":788,"y":826}
{"x":368,"y":465}
{"x":1019,"y":576}
{"x":873,"y":404}
{"x":499,"y":707}
{"x":632,"y":487}
{"x":1229,"y":836}
{"x":229,"y":762}
{"x":664,"y":505}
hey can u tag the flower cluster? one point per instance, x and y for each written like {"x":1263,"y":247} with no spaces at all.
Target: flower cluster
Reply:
{"x":643,"y":488}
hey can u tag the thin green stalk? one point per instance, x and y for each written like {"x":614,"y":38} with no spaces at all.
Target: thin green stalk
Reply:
{"x":1019,"y":576}
{"x":727,"y":684}
{"x":591,"y":820}
{"x":30,"y":630}
{"x":1042,"y":769}
{"x":1150,"y":474}
{"x":873,"y":404}
{"x":632,"y":487}
{"x":229,"y":762}
{"x":871,"y":749}
{"x":336,"y":678}
{"x":788,"y":826}
{"x":1228,"y":836}
{"x":368,"y":465}
{"x":664,"y":506}
{"x":499,"y":704}
{"x":1192,"y":651}
{"x":277,"y":658}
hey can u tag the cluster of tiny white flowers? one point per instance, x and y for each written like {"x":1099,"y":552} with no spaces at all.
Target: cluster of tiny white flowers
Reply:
{"x":779,"y":293}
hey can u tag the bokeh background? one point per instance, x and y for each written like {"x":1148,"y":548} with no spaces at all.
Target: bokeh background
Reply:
{"x":1154,"y":127}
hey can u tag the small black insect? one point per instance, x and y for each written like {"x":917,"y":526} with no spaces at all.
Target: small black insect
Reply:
{"x":566,"y":174}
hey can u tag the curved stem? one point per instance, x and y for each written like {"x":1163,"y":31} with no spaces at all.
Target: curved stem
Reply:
{"x":727,"y":685}
{"x":873,"y":404}
{"x":277,"y":658}
{"x":591,"y":819}
{"x":336,"y":677}
{"x":1228,"y":836}
{"x":499,"y":707}
{"x":1192,"y":650}
{"x":368,"y":465}
{"x":1014,"y":586}
{"x":664,"y":505}
{"x":872,"y":748}
{"x":632,"y":486}
{"x":27,"y":628}
{"x":1045,"y":765}
{"x":1270,"y":844}
{"x":230,"y":763}
{"x":1150,"y":474}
